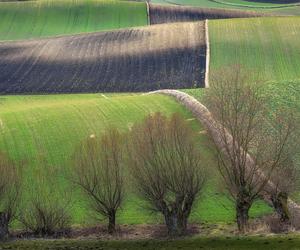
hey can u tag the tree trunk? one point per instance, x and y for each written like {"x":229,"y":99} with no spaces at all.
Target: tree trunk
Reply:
{"x":242,"y":215}
{"x":280,"y":202}
{"x":112,"y":222}
{"x":176,"y":224}
{"x":4,"y":221}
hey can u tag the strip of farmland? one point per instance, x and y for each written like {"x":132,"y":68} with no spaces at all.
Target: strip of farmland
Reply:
{"x":131,"y":60}
{"x":168,"y":14}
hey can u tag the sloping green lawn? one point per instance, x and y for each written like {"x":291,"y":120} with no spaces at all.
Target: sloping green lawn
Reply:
{"x":23,"y":20}
{"x":41,"y":133}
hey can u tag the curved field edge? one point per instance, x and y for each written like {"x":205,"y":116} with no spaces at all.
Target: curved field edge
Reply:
{"x":46,"y":129}
{"x":33,"y":19}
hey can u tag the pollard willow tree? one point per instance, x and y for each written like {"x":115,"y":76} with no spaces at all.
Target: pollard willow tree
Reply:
{"x":99,"y":173}
{"x":167,"y":167}
{"x":239,"y":105}
{"x":10,"y":186}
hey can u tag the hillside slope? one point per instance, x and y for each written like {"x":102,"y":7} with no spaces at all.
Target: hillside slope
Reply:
{"x":32,"y":19}
{"x":45,"y":130}
{"x":139,"y":59}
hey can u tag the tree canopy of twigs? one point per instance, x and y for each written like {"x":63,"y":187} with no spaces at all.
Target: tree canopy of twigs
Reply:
{"x":10,"y":187}
{"x":99,"y":173}
{"x":46,"y":211}
{"x":167,"y":167}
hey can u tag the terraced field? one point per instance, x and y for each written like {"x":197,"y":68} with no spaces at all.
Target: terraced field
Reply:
{"x":140,"y":59}
{"x":44,"y":131}
{"x":23,"y":20}
{"x":268,"y":45}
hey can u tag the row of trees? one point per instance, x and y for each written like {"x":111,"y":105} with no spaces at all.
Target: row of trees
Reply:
{"x":255,"y":159}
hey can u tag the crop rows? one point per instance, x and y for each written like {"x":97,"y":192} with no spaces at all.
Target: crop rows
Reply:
{"x":139,"y":59}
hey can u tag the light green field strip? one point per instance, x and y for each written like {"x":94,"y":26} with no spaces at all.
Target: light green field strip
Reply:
{"x":269,"y":46}
{"x":43,"y":131}
{"x":23,"y":20}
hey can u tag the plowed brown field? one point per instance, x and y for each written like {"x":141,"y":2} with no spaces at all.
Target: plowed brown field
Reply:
{"x":168,"y":14}
{"x":138,"y":59}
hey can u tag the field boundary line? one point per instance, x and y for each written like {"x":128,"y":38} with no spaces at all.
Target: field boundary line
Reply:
{"x":148,"y":12}
{"x":203,"y":115}
{"x":207,"y":54}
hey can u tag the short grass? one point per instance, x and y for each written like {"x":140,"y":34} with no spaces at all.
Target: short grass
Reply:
{"x":41,"y":132}
{"x":269,"y":46}
{"x":287,"y":242}
{"x":23,"y":20}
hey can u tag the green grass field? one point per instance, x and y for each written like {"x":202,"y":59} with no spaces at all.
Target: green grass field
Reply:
{"x":23,"y":20}
{"x":288,"y":242}
{"x":43,"y":131}
{"x":269,"y":46}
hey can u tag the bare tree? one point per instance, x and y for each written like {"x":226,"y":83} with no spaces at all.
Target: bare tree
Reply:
{"x":167,"y":167}
{"x":285,"y":178}
{"x":10,"y":184}
{"x":98,"y":169}
{"x":238,"y":103}
{"x":46,"y":210}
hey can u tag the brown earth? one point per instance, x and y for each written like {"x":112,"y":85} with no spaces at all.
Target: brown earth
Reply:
{"x":130,"y":60}
{"x":168,"y":14}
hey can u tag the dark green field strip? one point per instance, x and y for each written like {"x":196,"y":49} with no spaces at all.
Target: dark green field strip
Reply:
{"x":23,"y":20}
{"x":139,"y":59}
